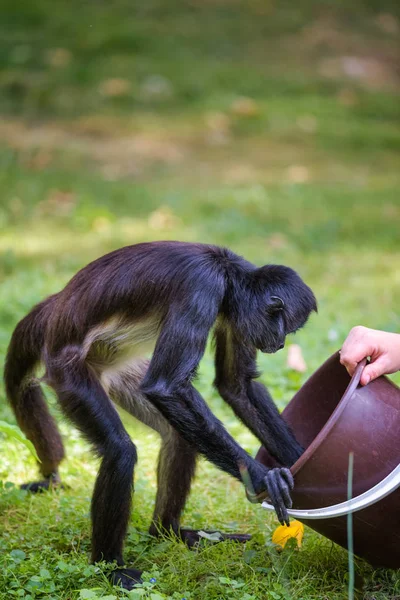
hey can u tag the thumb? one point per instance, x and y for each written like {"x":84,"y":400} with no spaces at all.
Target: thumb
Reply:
{"x":373,"y":370}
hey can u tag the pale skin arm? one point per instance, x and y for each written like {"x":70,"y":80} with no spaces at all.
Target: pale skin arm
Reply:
{"x":382,"y":347}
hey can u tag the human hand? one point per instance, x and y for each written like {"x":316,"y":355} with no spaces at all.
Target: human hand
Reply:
{"x":382,"y":347}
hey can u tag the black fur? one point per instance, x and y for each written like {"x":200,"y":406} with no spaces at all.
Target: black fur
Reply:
{"x":187,"y":289}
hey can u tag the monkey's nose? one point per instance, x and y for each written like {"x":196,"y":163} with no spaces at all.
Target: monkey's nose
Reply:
{"x":281,"y":346}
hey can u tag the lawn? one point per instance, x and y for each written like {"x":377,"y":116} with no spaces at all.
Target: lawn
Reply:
{"x":270,"y":128}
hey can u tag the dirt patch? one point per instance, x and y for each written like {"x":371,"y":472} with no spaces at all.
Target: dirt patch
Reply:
{"x":116,"y":155}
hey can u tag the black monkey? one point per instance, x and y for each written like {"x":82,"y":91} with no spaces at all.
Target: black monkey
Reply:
{"x":163,"y":299}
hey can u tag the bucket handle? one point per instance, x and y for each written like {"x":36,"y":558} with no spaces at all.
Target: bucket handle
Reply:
{"x":379,"y":491}
{"x":382,"y":489}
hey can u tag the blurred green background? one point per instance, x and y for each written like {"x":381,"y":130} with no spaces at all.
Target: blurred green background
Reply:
{"x":269,"y":127}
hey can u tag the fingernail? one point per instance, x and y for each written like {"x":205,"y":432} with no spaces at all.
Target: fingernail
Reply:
{"x":367,"y":380}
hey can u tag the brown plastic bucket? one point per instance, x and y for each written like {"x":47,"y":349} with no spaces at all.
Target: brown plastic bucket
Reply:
{"x":332,"y":416}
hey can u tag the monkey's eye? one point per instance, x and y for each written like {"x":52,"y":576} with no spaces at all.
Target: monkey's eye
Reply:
{"x":276,"y":304}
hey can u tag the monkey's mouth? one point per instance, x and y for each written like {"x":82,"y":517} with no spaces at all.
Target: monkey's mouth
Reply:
{"x":272,"y":349}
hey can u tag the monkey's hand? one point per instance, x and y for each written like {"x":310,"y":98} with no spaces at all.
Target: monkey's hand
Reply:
{"x":279,"y":484}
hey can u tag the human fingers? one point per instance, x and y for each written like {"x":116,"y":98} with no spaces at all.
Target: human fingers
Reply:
{"x":359,"y":344}
{"x":375,"y":369}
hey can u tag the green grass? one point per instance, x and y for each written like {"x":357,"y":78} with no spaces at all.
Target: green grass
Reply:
{"x":303,"y":172}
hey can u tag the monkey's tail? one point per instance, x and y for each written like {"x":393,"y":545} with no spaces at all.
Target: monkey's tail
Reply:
{"x":23,"y":353}
{"x":23,"y":390}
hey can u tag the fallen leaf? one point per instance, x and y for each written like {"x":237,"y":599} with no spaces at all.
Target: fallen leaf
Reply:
{"x":240,"y":173}
{"x":347,"y":97}
{"x":115,"y":87}
{"x":163,"y":219}
{"x":39,"y":160}
{"x":58,"y":57}
{"x":245,"y":107}
{"x":101,"y":224}
{"x":218,"y":128}
{"x":307,"y":123}
{"x":283,"y":534}
{"x":388,"y":23}
{"x":58,"y":203}
{"x":295,"y":359}
{"x":298,"y":173}
{"x":278,"y":241}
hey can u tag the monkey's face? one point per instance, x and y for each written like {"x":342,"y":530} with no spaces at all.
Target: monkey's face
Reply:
{"x":273,"y":329}
{"x":284,"y":303}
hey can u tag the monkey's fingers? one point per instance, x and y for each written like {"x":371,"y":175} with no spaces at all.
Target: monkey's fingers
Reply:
{"x":288,"y":478}
{"x":285,"y":483}
{"x":280,"y":483}
{"x":275,"y":496}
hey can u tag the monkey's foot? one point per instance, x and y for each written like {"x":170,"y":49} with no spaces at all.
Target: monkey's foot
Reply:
{"x":192,"y":537}
{"x":49,"y":483}
{"x":126,"y":578}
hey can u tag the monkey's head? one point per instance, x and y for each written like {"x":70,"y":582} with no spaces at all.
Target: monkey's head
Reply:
{"x":283,"y":304}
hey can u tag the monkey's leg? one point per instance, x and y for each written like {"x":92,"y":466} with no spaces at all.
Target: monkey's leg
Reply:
{"x":40,"y":428}
{"x":176,"y":467}
{"x":177,"y":458}
{"x":85,"y":402}
{"x":175,"y":471}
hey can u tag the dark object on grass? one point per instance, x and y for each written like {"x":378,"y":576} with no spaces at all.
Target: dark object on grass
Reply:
{"x":332,"y":416}
{"x":161,"y":298}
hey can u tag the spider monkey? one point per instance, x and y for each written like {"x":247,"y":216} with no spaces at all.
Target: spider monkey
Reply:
{"x":159,"y":299}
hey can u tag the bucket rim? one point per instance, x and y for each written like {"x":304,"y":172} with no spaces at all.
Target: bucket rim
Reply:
{"x":336,"y":414}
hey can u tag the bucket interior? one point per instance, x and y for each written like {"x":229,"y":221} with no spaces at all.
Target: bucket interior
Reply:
{"x":316,"y":400}
{"x":313,"y":404}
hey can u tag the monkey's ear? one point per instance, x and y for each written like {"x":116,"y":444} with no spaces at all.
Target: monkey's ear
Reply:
{"x":275,"y":304}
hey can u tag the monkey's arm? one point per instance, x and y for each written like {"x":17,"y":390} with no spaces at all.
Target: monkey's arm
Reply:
{"x":235,"y":370}
{"x":167,"y":385}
